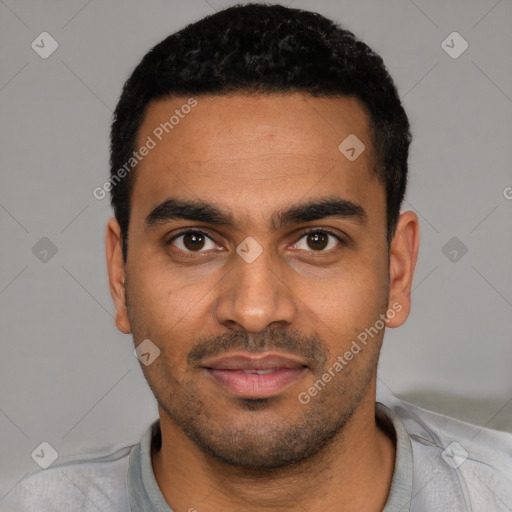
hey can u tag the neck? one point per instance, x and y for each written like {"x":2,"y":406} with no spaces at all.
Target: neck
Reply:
{"x":352,"y":473}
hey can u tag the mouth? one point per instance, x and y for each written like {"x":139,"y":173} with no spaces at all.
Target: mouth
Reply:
{"x":249,"y":375}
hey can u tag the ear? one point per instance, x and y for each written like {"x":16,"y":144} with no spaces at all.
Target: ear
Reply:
{"x":116,"y":274}
{"x":403,"y":254}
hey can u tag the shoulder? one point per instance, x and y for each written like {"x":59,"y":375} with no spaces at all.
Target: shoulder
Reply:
{"x":483,"y":445}
{"x":85,"y":484}
{"x":453,"y":457}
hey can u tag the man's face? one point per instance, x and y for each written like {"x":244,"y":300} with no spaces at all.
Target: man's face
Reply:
{"x":302,"y":301}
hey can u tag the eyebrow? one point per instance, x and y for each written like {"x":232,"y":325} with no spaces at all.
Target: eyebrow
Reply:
{"x":200,"y":211}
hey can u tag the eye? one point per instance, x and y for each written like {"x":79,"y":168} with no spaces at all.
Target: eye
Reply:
{"x":192,"y":241}
{"x":318,"y":240}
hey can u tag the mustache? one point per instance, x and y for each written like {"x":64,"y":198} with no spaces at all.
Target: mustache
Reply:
{"x":312,"y":347}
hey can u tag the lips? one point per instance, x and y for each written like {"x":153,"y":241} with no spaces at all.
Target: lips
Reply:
{"x":249,"y":375}
{"x":250,"y":361}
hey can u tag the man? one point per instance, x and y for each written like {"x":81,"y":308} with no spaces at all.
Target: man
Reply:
{"x":258,"y":165}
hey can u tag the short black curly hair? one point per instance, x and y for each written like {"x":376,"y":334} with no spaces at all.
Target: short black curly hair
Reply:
{"x":259,"y":48}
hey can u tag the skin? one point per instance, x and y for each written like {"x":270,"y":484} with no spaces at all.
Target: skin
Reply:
{"x":253,"y":156}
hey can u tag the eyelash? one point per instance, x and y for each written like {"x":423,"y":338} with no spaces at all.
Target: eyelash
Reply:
{"x":303,"y":234}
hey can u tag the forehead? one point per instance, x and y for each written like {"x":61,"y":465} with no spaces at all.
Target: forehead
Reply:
{"x":246,"y":151}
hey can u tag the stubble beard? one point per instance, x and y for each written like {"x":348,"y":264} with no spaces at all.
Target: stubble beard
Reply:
{"x":259,"y":445}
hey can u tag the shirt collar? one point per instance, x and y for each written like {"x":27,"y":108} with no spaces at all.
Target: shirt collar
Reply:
{"x":400,"y":492}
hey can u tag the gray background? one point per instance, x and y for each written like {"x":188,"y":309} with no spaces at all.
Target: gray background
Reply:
{"x":69,"y":377}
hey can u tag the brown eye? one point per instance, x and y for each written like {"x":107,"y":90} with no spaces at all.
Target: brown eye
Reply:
{"x":192,"y":241}
{"x":319,"y":241}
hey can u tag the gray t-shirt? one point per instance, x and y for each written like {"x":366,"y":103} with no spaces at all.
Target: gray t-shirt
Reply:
{"x":442,"y":464}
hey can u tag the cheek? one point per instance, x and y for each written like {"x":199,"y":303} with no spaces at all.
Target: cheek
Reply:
{"x":166,"y":307}
{"x":351,"y":299}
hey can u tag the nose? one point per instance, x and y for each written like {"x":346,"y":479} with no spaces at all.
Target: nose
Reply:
{"x":255,"y":295}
